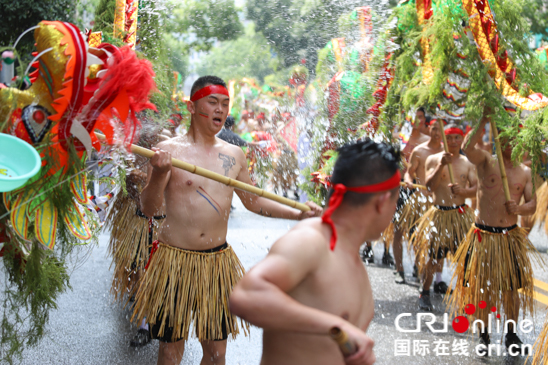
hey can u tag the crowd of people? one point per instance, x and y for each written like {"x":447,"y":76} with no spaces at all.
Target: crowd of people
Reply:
{"x":172,"y":262}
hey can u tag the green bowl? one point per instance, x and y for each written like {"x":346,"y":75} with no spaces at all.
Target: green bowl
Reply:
{"x":19,"y":161}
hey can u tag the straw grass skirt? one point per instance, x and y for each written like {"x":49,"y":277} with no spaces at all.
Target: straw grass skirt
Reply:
{"x":407,"y":217}
{"x":128,"y":244}
{"x":541,"y":347}
{"x":181,"y":287}
{"x":489,"y":264}
{"x":440,"y":231}
{"x":541,"y":214}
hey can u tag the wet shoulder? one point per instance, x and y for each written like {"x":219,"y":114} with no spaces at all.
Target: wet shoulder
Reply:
{"x":231,"y":150}
{"x":313,"y":232}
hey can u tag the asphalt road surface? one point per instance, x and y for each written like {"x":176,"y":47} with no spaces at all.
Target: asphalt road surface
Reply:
{"x":88,"y":328}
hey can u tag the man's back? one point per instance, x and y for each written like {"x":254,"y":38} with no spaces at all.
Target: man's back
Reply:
{"x":338,"y":284}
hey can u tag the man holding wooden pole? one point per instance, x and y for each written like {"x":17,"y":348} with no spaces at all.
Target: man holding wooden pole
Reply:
{"x":492,"y":261}
{"x":421,"y":200}
{"x":192,"y":270}
{"x":451,"y":178}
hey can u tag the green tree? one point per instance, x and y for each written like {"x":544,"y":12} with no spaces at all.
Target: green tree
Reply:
{"x":203,"y":22}
{"x":536,"y":13}
{"x":297,"y":28}
{"x":18,"y":16}
{"x":248,"y":56}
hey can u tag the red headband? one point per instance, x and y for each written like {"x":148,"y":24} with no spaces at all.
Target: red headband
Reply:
{"x":454,"y":131}
{"x":208,"y":90}
{"x":338,"y":194}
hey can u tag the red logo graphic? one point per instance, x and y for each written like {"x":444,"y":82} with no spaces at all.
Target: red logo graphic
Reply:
{"x":461,"y":324}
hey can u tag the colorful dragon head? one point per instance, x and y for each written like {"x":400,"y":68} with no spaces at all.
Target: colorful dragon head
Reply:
{"x":76,"y":89}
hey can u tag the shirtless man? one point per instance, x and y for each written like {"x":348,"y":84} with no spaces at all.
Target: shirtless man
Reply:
{"x":303,"y":288}
{"x":445,"y":224}
{"x":191,"y":255}
{"x":419,"y":202}
{"x":416,"y":138}
{"x":495,"y":244}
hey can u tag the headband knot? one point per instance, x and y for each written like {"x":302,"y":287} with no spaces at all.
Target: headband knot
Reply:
{"x":338,"y":195}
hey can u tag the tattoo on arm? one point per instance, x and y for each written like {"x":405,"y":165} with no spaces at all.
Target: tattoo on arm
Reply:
{"x":264,"y":214}
{"x":228,"y":162}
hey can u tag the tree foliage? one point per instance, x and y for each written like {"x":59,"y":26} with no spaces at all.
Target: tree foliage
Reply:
{"x":18,"y":16}
{"x":297,"y":29}
{"x":200,"y":23}
{"x":248,"y":56}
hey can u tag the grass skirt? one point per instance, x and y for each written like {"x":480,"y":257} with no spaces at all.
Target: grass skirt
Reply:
{"x":541,"y":347}
{"x":439,"y":232}
{"x":407,"y":217}
{"x":128,"y":244}
{"x":497,"y":264}
{"x":181,"y":287}
{"x":541,"y":215}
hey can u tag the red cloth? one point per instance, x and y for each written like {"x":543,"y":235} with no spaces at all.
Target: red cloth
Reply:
{"x":338,"y":194}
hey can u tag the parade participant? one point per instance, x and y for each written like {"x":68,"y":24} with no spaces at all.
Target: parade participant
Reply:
{"x":312,"y":278}
{"x":445,"y":224}
{"x":132,"y":233}
{"x":396,"y":230}
{"x":192,"y":270}
{"x":492,"y":262}
{"x":227,"y":133}
{"x":420,"y":201}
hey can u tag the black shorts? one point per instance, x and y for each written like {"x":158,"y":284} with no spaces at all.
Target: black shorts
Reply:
{"x":443,"y":251}
{"x":495,"y":230}
{"x":168,"y":331}
{"x":404,"y":195}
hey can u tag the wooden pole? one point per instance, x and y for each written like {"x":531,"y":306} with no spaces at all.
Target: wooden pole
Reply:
{"x":341,"y":338}
{"x":449,"y":166}
{"x":219,"y":178}
{"x":416,"y":186}
{"x":498,"y":150}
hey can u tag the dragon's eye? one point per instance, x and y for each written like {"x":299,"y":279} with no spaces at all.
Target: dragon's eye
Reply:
{"x":35,"y":119}
{"x":38,"y":116}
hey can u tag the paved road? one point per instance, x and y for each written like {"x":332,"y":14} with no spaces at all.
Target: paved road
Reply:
{"x":88,"y":328}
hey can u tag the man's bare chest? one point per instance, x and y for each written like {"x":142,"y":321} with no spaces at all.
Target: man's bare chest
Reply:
{"x":218,"y":161}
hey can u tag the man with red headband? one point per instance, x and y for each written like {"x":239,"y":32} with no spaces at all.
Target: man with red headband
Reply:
{"x":493,"y":262}
{"x":445,"y":224}
{"x":421,"y":200}
{"x":192,"y":270}
{"x":398,"y":228}
{"x":313,"y":279}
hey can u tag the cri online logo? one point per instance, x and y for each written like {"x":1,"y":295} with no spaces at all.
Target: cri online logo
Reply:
{"x":461,"y":324}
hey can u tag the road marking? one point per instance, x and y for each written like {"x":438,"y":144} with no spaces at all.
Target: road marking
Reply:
{"x":540,"y":298}
{"x":540,"y":284}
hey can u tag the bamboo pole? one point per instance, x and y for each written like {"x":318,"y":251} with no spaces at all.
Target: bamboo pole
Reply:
{"x":498,"y":150}
{"x":449,"y":166}
{"x":218,"y":177}
{"x":416,"y":186}
{"x":341,"y":338}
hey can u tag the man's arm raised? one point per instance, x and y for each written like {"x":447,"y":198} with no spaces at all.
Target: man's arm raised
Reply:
{"x":474,"y":154}
{"x":261,"y":296}
{"x":158,"y":175}
{"x":267,"y":207}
